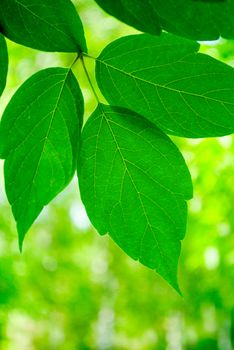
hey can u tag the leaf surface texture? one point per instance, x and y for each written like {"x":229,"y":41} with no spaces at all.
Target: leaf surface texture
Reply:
{"x":43,"y":24}
{"x":39,"y":138}
{"x":166,"y":80}
{"x":134,"y":183}
{"x":198,"y":20}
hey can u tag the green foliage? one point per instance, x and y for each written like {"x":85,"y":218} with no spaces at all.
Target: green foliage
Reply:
{"x":133,"y":180}
{"x":183,"y":92}
{"x":139,"y":14}
{"x":140,"y":203}
{"x":39,"y":136}
{"x":43,"y":25}
{"x":3,"y":63}
{"x":197,"y":20}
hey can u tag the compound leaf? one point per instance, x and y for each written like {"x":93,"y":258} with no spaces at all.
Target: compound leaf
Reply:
{"x":134,"y":183}
{"x":193,"y":19}
{"x":183,"y":92}
{"x":43,"y":24}
{"x":3,"y":63}
{"x":39,"y":138}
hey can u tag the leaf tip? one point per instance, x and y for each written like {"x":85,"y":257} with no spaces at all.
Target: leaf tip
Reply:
{"x":173,"y":282}
{"x":21,"y":235}
{"x":171,"y":277}
{"x":20,"y":243}
{"x":177,"y":289}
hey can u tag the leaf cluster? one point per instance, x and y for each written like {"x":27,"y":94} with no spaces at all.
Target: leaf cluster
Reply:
{"x":133,"y":179}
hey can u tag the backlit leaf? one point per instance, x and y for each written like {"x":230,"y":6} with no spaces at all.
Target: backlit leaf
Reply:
{"x":43,"y":24}
{"x":183,"y":92}
{"x":198,"y":20}
{"x":39,"y":138}
{"x":134,"y":183}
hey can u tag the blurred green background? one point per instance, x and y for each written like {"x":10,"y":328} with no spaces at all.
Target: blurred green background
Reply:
{"x":72,"y":289}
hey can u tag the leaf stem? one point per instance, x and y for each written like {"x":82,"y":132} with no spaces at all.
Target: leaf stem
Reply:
{"x":88,"y":77}
{"x":88,"y":56}
{"x":75,"y":60}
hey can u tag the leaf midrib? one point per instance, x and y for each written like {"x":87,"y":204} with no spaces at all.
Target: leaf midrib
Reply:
{"x":148,"y":224}
{"x":162,"y":86}
{"x":45,"y":139}
{"x":42,"y":19}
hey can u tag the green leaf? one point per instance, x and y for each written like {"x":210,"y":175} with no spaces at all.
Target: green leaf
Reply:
{"x":134,"y":183}
{"x":198,"y":20}
{"x":183,"y":92}
{"x":209,"y":1}
{"x":39,"y":138}
{"x":137,"y":13}
{"x":3,"y":63}
{"x":43,"y":24}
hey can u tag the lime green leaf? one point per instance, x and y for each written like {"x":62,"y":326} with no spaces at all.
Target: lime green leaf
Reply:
{"x":134,"y":183}
{"x":39,"y":138}
{"x":183,"y":92}
{"x":3,"y":63}
{"x":198,"y":20}
{"x":43,"y":24}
